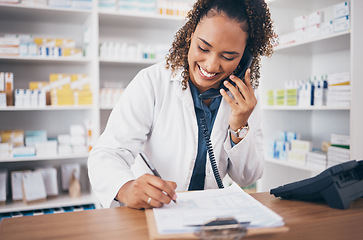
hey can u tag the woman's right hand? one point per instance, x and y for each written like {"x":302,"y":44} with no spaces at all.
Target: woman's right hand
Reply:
{"x":136,"y":193}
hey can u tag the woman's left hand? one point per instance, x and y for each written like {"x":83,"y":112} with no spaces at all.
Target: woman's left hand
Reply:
{"x":242,"y":103}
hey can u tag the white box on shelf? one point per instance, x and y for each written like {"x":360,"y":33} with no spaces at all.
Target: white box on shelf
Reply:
{"x":2,"y":81}
{"x":77,"y":130}
{"x":64,"y":149}
{"x":341,"y":9}
{"x":3,"y":185}
{"x":16,"y":185}
{"x":50,"y":180}
{"x":326,"y":28}
{"x":19,"y":97}
{"x":338,"y":78}
{"x":5,"y":149}
{"x":315,"y":18}
{"x":300,"y":22}
{"x":339,"y":139}
{"x":2,"y":99}
{"x":341,"y":24}
{"x":313,"y":31}
{"x":48,"y":148}
{"x":64,"y":139}
{"x":23,"y":151}
{"x":34,"y":98}
{"x":33,"y":187}
{"x":67,"y":170}
{"x":299,"y":35}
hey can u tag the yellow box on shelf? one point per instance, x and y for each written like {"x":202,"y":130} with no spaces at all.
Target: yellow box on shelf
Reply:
{"x":280,"y":97}
{"x":60,"y":81}
{"x":84,"y":97}
{"x":270,"y":97}
{"x":296,"y":156}
{"x":37,"y":85}
{"x":74,"y":52}
{"x":292,"y":97}
{"x":16,"y":137}
{"x":80,"y":82}
{"x":62,"y":97}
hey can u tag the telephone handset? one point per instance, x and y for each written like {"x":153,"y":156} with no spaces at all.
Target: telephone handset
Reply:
{"x":245,"y":62}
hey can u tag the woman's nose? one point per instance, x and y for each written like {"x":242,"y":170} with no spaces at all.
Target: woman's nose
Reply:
{"x":213,"y":64}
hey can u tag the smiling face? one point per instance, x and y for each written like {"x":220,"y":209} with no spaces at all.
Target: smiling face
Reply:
{"x":216,"y":48}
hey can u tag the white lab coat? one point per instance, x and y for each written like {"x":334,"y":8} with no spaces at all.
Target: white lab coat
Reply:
{"x":156,"y":115}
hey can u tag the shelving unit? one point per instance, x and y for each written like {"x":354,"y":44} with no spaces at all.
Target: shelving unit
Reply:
{"x":330,"y":54}
{"x":69,"y":23}
{"x":55,"y":23}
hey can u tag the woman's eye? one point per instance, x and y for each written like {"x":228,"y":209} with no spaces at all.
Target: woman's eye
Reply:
{"x":202,"y":49}
{"x":228,"y":59}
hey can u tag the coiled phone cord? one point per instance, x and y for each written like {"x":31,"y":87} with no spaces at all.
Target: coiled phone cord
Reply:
{"x":211,"y":153}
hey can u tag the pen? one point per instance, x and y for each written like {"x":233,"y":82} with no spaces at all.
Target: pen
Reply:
{"x":151,"y":167}
{"x":239,"y":223}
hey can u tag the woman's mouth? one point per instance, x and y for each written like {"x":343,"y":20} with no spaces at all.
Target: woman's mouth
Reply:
{"x":206,"y":74}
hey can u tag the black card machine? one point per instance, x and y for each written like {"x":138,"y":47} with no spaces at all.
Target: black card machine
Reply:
{"x":338,"y":186}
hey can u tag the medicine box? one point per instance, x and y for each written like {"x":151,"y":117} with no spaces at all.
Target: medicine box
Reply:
{"x":80,"y":82}
{"x":313,"y":31}
{"x":2,"y":81}
{"x":60,"y":81}
{"x":67,"y":170}
{"x":33,"y":187}
{"x":2,"y":99}
{"x":16,"y":185}
{"x":32,"y":137}
{"x":326,"y":28}
{"x":280,"y":97}
{"x":300,"y":22}
{"x":16,"y":137}
{"x":315,"y":18}
{"x":341,"y":9}
{"x":300,"y":145}
{"x":50,"y":180}
{"x":297,"y":157}
{"x":341,"y":24}
{"x":3,"y":186}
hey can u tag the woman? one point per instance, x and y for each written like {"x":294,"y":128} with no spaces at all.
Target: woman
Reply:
{"x":162,"y":113}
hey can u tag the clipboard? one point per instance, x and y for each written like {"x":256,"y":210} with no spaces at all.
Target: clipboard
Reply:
{"x":154,"y":234}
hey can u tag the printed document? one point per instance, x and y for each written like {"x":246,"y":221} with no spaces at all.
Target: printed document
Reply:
{"x":199,"y":207}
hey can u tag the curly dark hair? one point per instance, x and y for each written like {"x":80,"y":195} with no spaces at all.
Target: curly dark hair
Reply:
{"x":255,"y":19}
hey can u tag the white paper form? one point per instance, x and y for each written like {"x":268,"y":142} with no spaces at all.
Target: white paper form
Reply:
{"x":199,"y":207}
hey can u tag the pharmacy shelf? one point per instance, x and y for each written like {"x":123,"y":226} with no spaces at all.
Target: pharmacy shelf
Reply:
{"x":129,"y":61}
{"x":76,"y":60}
{"x":60,"y":201}
{"x":334,"y":53}
{"x":41,"y":158}
{"x":307,"y":108}
{"x":45,"y":108}
{"x":313,"y":40}
{"x":294,"y":165}
{"x":117,"y":19}
{"x":20,"y":12}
